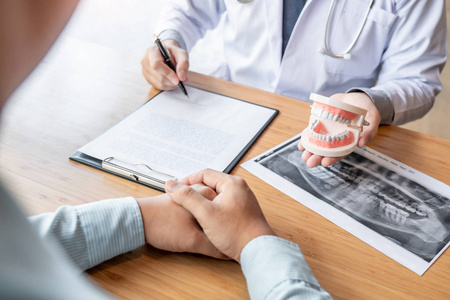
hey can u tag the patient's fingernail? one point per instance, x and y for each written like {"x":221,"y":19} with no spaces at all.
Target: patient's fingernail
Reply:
{"x":172,"y":185}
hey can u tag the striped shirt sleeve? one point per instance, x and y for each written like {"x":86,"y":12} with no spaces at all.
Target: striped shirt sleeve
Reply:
{"x":276,"y":269}
{"x":94,"y":232}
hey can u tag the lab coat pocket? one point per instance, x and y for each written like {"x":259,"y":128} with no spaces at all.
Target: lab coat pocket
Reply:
{"x":366,"y":54}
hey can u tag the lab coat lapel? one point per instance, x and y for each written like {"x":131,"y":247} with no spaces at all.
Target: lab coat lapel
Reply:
{"x":294,"y":79}
{"x":291,"y":46}
{"x":273,"y":28}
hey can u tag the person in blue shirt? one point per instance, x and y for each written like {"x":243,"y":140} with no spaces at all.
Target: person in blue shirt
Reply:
{"x":43,"y":256}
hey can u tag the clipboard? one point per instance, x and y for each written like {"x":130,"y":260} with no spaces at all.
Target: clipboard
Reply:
{"x":146,"y":173}
{"x":150,"y":178}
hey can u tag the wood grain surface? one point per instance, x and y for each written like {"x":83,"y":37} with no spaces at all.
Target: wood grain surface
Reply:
{"x":42,"y":128}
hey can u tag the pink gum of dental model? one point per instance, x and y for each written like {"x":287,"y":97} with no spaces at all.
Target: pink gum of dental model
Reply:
{"x":334,"y":127}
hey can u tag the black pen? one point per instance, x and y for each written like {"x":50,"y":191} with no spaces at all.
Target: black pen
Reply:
{"x":166,"y":56}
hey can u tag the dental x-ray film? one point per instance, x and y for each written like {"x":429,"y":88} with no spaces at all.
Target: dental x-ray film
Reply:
{"x":398,"y":210}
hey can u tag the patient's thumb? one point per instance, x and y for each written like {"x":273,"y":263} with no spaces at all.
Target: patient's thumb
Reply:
{"x":172,"y":186}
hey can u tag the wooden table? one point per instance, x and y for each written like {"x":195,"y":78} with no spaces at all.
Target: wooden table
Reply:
{"x":42,"y":128}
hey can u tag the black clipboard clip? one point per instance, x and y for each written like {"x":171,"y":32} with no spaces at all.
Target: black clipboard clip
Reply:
{"x":137,"y":171}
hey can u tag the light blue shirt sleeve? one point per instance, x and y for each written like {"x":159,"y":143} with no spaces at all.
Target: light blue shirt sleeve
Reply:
{"x":33,"y":267}
{"x":276,"y":269}
{"x":94,"y":232}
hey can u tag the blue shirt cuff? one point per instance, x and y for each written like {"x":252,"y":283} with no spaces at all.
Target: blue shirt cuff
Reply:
{"x":111,"y":227}
{"x":269,"y":262}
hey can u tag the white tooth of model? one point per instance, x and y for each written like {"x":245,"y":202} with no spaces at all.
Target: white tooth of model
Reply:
{"x":319,"y":112}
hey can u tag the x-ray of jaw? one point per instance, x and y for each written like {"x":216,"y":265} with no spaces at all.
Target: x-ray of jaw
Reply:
{"x":383,"y":200}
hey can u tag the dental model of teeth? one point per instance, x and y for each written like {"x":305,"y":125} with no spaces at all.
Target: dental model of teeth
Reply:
{"x":334,"y":127}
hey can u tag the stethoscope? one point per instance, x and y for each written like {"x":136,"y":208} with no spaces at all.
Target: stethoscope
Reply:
{"x":324,"y":50}
{"x":345,"y":55}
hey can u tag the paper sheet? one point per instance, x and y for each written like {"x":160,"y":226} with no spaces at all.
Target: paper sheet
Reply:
{"x":398,"y":210}
{"x":180,"y":136}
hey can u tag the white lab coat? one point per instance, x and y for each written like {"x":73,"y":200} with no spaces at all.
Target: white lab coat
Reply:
{"x":400,"y":52}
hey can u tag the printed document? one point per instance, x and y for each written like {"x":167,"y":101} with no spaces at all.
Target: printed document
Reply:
{"x":178,"y":136}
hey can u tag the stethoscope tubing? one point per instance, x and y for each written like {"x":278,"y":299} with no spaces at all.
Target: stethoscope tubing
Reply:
{"x":325,"y":50}
{"x":352,"y":44}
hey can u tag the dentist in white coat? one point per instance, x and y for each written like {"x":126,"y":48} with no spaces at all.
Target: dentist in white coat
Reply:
{"x":383,"y":55}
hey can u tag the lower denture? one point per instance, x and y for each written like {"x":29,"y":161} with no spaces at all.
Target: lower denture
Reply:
{"x":337,"y":143}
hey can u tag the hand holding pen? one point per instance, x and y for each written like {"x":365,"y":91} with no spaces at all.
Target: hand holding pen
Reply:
{"x":165,"y":66}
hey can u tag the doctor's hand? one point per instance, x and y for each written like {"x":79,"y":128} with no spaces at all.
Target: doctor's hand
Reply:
{"x":368,"y":132}
{"x":158,"y":73}
{"x":168,"y":226}
{"x":230,"y":220}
